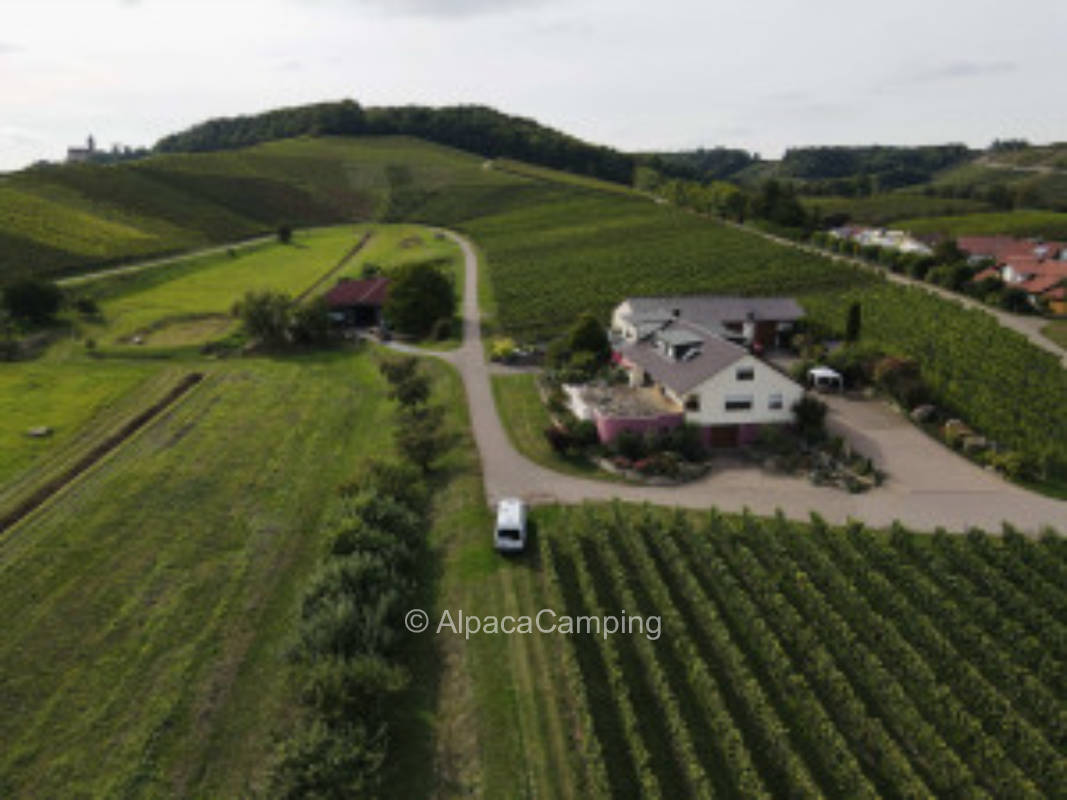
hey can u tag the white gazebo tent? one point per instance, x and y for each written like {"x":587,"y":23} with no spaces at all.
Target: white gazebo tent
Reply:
{"x":824,"y":379}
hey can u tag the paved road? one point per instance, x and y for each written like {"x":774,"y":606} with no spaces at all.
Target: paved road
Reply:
{"x":929,"y":485}
{"x":1028,"y":325}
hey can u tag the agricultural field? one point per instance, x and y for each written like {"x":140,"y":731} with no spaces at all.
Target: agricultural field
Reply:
{"x":1048,"y":224}
{"x":193,"y":305}
{"x":793,"y":660}
{"x":886,"y":208}
{"x":61,"y":219}
{"x":67,"y":397}
{"x":586,"y":251}
{"x":164,"y":584}
{"x":1039,"y":190}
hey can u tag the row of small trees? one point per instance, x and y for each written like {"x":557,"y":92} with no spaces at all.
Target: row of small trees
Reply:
{"x":350,"y":660}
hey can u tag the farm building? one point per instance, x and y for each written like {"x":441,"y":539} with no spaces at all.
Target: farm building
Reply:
{"x":358,"y":303}
{"x":758,"y":322}
{"x":692,"y":360}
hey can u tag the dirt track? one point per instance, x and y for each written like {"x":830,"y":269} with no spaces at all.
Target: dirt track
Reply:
{"x":929,"y":485}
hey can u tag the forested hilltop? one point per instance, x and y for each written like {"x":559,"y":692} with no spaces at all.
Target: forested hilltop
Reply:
{"x":476,"y":129}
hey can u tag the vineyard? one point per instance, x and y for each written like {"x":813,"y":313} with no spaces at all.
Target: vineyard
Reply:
{"x":585,"y":251}
{"x":992,"y":377}
{"x":1050,"y":224}
{"x":803,"y":661}
{"x":60,"y":219}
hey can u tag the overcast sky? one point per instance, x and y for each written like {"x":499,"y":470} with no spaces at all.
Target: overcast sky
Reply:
{"x":635,"y":74}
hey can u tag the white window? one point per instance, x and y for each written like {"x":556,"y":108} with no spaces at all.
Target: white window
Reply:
{"x":775,"y":402}
{"x":738,"y":402}
{"x":745,"y":373}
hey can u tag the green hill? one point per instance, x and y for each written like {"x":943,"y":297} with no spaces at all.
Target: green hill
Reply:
{"x":59,"y":220}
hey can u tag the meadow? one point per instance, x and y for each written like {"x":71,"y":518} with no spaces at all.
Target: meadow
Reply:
{"x":151,"y":661}
{"x":211,"y":289}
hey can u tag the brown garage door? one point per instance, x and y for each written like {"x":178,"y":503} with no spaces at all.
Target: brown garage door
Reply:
{"x":723,"y":436}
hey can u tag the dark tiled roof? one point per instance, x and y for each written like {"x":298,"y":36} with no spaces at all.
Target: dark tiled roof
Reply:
{"x":368,"y":292}
{"x":680,"y":376}
{"x":710,"y":311}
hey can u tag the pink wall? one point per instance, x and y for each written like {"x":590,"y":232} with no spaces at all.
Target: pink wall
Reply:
{"x":610,"y":427}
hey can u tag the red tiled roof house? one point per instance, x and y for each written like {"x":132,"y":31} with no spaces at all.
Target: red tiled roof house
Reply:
{"x":358,"y":303}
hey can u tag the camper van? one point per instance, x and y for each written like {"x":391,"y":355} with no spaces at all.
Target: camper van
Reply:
{"x":509,"y":535}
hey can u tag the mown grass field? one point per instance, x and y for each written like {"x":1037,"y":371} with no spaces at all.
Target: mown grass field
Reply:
{"x":66,"y":397}
{"x":216,"y":285}
{"x":149,"y":605}
{"x":1049,"y":224}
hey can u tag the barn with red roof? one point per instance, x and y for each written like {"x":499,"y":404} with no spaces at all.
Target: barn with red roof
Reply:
{"x":358,"y":303}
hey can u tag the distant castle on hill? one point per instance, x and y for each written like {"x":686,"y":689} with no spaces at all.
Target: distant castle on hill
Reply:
{"x":91,"y":155}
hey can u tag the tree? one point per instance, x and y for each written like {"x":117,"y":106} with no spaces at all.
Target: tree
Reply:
{"x":587,"y":335}
{"x":852,"y":328}
{"x":419,"y":295}
{"x":810,"y":416}
{"x":412,"y":391}
{"x":418,"y":435}
{"x":32,"y":300}
{"x":311,"y":323}
{"x":265,"y":316}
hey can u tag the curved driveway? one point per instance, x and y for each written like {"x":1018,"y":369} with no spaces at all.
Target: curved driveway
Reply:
{"x":929,"y":485}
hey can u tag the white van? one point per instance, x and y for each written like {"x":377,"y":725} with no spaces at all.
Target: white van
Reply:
{"x":510,"y":533}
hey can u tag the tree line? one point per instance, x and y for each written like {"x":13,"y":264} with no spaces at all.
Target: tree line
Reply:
{"x":476,"y":129}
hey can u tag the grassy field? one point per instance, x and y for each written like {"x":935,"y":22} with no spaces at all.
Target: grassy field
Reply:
{"x":63,"y":219}
{"x":213,"y":288}
{"x":66,"y":397}
{"x":525,"y":419}
{"x":1049,"y":224}
{"x":151,"y":661}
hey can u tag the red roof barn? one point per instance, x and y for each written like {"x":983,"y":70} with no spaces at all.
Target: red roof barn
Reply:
{"x":358,"y":303}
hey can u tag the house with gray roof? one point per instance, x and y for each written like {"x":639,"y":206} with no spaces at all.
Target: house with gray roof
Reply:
{"x":700,"y":354}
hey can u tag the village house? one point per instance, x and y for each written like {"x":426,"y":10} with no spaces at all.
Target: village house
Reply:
{"x":358,"y":303}
{"x":897,"y":240}
{"x":1038,"y":268}
{"x":695,"y":360}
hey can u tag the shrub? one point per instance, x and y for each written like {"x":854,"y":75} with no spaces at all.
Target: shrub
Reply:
{"x":311,"y":323}
{"x":810,"y":417}
{"x":419,"y":295}
{"x":412,"y":391}
{"x":86,"y":306}
{"x":342,"y":689}
{"x":502,"y":349}
{"x":584,"y":433}
{"x":418,"y":435}
{"x":630,"y":445}
{"x":285,"y":234}
{"x":265,"y":316}
{"x":32,"y":300}
{"x":685,"y":440}
{"x":399,"y":369}
{"x":330,"y":762}
{"x":442,"y":329}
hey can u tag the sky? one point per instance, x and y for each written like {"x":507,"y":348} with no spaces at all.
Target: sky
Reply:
{"x":634,"y":74}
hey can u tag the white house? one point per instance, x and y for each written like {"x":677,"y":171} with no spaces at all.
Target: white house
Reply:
{"x":716,"y":383}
